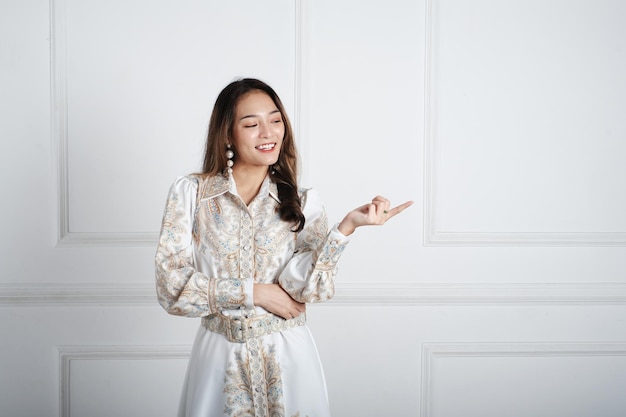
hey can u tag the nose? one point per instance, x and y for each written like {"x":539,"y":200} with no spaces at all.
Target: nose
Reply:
{"x":266,"y":131}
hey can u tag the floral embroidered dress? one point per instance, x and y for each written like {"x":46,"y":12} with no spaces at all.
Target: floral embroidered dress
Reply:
{"x":212,"y":249}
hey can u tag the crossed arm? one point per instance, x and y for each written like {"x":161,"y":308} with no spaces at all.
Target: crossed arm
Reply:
{"x":274,"y":299}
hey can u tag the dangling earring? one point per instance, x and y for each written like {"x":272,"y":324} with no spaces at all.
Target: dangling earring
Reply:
{"x":229,"y":162}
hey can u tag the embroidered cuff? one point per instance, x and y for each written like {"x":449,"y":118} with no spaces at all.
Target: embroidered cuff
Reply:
{"x":227,"y":294}
{"x":331,"y":251}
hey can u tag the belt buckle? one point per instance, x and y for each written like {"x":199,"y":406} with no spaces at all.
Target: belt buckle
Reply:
{"x":234,"y":329}
{"x":238,"y":329}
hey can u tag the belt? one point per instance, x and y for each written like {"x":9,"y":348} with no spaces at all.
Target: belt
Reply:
{"x":240,"y":329}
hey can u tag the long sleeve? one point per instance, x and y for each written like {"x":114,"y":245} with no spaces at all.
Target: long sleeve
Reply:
{"x":309,"y":277}
{"x":181,"y":288}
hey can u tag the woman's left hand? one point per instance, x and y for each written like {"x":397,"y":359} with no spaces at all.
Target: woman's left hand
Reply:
{"x":375,"y":213}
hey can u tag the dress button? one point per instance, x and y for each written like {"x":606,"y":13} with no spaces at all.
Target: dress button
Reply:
{"x":246,"y":247}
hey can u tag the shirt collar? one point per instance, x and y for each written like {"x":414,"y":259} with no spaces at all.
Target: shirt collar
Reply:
{"x":220,"y":184}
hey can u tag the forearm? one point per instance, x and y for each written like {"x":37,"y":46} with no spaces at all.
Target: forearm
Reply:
{"x":310,"y":277}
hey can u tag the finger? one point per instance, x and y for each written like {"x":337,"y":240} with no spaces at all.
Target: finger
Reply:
{"x":399,"y":209}
{"x":371,"y":210}
{"x":382,"y":207}
{"x":381,"y":202}
{"x":295,"y":313}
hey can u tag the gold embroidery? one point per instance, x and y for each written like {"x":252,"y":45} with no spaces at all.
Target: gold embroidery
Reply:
{"x":253,"y":383}
{"x":205,"y":257}
{"x":227,"y":294}
{"x":180,"y":290}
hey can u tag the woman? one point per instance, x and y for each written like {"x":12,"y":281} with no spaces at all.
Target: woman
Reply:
{"x":242,"y":247}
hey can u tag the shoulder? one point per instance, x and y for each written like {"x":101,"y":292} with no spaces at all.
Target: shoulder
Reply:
{"x":185,"y":184}
{"x":311,"y":201}
{"x":184,"y":190}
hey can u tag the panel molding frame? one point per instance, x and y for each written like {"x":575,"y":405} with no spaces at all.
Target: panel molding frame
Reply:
{"x":59,"y":134}
{"x":432,"y":351}
{"x":69,"y":354}
{"x":347,"y":294}
{"x":435,"y":237}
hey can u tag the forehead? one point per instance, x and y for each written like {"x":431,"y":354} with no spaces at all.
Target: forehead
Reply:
{"x":255,"y":102}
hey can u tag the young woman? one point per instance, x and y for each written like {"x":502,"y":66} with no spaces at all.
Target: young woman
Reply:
{"x":242,"y":247}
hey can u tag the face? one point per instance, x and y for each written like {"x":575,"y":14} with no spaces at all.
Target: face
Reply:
{"x":258,"y":132}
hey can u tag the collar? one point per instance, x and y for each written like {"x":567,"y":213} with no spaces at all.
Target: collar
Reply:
{"x":214,"y":186}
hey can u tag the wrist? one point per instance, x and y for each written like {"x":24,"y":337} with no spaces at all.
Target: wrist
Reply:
{"x":346,"y":228}
{"x":257,"y":294}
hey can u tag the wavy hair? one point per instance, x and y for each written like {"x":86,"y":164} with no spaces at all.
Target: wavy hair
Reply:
{"x":284,"y":172}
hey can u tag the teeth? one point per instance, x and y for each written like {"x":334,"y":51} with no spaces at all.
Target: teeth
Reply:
{"x":266,"y":147}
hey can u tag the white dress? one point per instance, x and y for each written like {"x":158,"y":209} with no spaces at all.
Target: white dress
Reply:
{"x":212,"y":249}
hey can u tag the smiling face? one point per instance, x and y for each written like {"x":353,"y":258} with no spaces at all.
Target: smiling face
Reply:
{"x":257,"y":132}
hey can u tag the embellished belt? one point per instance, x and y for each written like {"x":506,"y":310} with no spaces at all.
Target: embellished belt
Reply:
{"x":240,"y":329}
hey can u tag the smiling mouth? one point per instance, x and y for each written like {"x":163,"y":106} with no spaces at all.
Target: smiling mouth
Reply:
{"x":266,"y":146}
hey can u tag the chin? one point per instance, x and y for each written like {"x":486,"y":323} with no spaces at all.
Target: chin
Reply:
{"x":273,"y":162}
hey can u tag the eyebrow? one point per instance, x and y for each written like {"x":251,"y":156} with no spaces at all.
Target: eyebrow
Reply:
{"x":256,"y":115}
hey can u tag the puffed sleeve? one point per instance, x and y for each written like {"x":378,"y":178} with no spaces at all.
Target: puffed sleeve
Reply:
{"x":181,"y":289}
{"x":309,"y":277}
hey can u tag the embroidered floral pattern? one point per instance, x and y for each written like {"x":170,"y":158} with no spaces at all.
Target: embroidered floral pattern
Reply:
{"x":180,"y":289}
{"x":253,"y":383}
{"x":213,"y":247}
{"x":325,"y":253}
{"x":244,"y":243}
{"x":225,"y":294}
{"x":315,"y":235}
{"x":272,"y":236}
{"x":173,"y":227}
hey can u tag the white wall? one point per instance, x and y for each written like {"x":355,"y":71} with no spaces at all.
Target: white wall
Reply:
{"x":501,"y":292}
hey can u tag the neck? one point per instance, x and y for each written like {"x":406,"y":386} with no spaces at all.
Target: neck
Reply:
{"x":249,"y":181}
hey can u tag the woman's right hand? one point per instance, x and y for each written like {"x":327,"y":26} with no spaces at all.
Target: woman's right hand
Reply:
{"x":274,"y":299}
{"x":375,"y":213}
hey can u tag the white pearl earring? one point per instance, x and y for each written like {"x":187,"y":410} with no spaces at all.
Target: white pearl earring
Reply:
{"x":229,"y":155}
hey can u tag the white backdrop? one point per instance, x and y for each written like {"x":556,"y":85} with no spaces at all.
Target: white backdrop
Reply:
{"x":501,"y":292}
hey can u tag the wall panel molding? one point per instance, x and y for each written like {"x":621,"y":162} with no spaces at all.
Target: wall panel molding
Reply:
{"x":68,"y":295}
{"x":70,"y":354}
{"x":433,"y":235}
{"x":433,"y":351}
{"x":59,"y":126}
{"x":349,"y":294}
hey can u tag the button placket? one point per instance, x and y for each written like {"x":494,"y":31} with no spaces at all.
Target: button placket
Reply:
{"x":246,"y":249}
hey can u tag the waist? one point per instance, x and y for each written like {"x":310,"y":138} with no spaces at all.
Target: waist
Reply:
{"x":240,"y":329}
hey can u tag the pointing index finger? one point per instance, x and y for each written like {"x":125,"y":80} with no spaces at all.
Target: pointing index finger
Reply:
{"x":399,"y":209}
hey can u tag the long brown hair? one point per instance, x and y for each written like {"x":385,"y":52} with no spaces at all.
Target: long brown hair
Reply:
{"x":284,"y":172}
